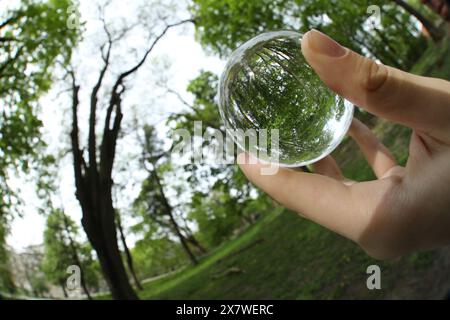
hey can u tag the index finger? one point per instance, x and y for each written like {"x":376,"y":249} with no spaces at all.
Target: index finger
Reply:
{"x":319,"y":198}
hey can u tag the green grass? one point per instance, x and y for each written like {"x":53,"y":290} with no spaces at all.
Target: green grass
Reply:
{"x":286,"y":257}
{"x":290,"y":258}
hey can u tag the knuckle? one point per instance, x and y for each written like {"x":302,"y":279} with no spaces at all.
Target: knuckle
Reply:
{"x":373,"y":75}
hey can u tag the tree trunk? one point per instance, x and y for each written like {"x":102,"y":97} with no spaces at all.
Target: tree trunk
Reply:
{"x":93,"y":180}
{"x":127,"y":253}
{"x":93,"y":190}
{"x":434,"y":32}
{"x":172,"y":219}
{"x":63,"y":287}
{"x":182,"y":239}
{"x":102,"y":235}
{"x":193,"y":240}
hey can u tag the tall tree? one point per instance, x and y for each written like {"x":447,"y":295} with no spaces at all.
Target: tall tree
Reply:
{"x":152,"y":200}
{"x":93,"y":174}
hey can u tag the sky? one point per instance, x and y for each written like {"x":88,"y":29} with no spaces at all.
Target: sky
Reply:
{"x":186,"y":58}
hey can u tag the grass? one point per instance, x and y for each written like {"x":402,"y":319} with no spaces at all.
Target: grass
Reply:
{"x":291,"y":258}
{"x":286,"y":257}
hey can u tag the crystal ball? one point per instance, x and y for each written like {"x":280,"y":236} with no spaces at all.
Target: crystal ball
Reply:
{"x":274,"y":105}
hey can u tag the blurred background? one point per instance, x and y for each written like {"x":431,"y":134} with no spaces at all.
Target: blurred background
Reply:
{"x":93,"y":205}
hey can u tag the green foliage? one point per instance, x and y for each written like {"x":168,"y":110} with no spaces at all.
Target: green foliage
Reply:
{"x":150,"y":210}
{"x":156,"y":252}
{"x":153,"y":257}
{"x":215,"y":216}
{"x":227,"y":209}
{"x":150,"y":207}
{"x":204,"y":108}
{"x":38,"y":283}
{"x":224,"y":25}
{"x":33,"y":38}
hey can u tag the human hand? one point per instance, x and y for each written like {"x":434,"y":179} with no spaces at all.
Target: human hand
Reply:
{"x":407,"y":208}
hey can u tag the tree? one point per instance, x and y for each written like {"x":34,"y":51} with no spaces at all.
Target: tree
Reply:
{"x":33,"y":38}
{"x":128,"y":255}
{"x":158,"y":254}
{"x":216,"y":217}
{"x":62,"y":250}
{"x":93,"y":175}
{"x":152,"y":202}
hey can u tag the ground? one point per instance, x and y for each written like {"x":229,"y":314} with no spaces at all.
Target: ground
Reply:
{"x":287,"y":257}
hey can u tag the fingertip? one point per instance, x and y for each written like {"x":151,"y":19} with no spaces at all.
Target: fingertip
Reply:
{"x":304,"y":44}
{"x":322,"y":44}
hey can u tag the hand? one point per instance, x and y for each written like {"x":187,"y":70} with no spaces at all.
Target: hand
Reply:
{"x":407,"y":208}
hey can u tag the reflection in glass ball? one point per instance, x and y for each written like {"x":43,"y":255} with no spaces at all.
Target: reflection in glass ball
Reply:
{"x":267,"y":84}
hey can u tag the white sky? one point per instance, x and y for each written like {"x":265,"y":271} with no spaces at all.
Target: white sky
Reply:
{"x":186,"y":59}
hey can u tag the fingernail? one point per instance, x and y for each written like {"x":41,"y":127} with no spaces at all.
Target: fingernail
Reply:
{"x":323,"y":44}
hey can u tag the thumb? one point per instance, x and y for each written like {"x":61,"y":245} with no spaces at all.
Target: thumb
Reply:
{"x":419,"y":102}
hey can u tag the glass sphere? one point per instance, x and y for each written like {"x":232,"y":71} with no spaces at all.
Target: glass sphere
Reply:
{"x":267,"y":84}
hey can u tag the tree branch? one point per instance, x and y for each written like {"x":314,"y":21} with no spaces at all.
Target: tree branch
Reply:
{"x":8,"y":39}
{"x":78,"y":159}
{"x":11,"y":19}
{"x":110,"y":135}
{"x":144,"y":58}
{"x":92,"y":148}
